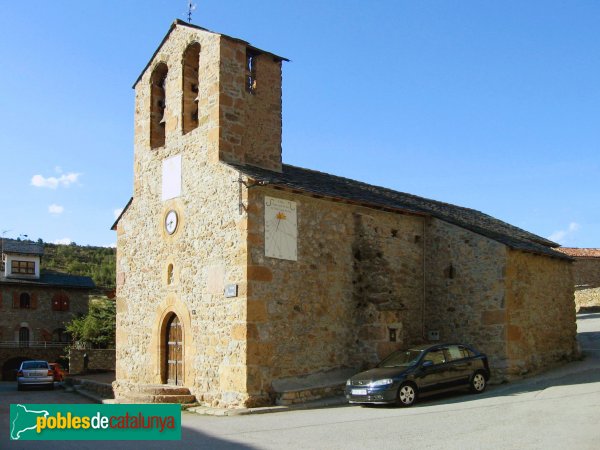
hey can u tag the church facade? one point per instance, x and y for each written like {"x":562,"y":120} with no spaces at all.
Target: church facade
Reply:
{"x":238,"y":274}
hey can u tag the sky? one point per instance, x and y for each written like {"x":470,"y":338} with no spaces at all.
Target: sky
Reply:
{"x":493,"y":106}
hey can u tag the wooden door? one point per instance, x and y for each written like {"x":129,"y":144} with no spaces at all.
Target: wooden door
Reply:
{"x":174,"y":352}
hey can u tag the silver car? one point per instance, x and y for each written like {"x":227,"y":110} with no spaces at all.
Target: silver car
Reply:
{"x":35,"y":373}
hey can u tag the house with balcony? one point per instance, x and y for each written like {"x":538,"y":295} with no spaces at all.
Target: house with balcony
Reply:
{"x":35,"y":305}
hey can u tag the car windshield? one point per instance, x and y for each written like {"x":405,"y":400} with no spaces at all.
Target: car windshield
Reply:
{"x":401,"y":358}
{"x":35,"y":365}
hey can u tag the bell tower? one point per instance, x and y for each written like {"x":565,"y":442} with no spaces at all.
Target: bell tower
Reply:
{"x":204,"y":91}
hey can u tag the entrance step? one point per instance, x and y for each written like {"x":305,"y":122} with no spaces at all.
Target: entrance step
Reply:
{"x":294,"y":390}
{"x":158,"y":393}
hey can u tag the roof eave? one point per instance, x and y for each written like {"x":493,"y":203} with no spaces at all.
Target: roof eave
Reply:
{"x":180,"y":22}
{"x":114,"y":225}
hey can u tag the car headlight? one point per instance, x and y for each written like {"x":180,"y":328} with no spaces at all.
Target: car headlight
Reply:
{"x":348,"y":383}
{"x":383,"y":382}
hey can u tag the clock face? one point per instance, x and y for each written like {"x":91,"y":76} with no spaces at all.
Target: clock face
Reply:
{"x":281,"y":229}
{"x":171,"y":222}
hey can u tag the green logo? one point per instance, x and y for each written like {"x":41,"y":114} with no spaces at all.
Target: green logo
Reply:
{"x":95,"y":422}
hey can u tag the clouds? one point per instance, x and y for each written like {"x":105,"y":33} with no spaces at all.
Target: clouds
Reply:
{"x":55,"y":209}
{"x":63,"y":241}
{"x":563,"y":236}
{"x":65,"y":180}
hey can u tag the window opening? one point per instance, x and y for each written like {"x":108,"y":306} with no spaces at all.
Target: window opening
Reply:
{"x":191,"y":91}
{"x":60,"y":302}
{"x":251,"y":56}
{"x":170,"y":276}
{"x":158,"y":106}
{"x":24,"y":337}
{"x":25,"y":301}
{"x":22,"y":267}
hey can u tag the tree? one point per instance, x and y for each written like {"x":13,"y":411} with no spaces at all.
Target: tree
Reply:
{"x":97,"y":327}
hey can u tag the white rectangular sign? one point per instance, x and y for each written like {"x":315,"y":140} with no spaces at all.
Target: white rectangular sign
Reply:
{"x":171,"y":177}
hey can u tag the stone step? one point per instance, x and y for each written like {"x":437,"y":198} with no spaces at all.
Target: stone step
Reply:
{"x":161,"y":389}
{"x":146,"y":398}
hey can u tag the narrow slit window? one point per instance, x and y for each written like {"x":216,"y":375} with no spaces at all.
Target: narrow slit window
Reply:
{"x":251,"y":56}
{"x":190,"y":88}
{"x":170,"y":274}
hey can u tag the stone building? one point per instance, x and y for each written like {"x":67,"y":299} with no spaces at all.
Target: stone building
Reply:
{"x":586,"y":273}
{"x":240,"y":278}
{"x":35,"y":305}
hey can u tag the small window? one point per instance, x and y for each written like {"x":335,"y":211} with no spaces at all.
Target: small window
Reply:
{"x":251,"y":56}
{"x":24,"y":301}
{"x":60,"y":302}
{"x":170,"y":276}
{"x":22,"y":267}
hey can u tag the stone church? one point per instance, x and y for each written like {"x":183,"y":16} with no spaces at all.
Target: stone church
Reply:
{"x":243,"y":281}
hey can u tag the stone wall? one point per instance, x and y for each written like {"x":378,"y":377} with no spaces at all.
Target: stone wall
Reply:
{"x":98,"y":359}
{"x":207,"y":251}
{"x":358,"y":275}
{"x":250,"y":122}
{"x":541,"y":328}
{"x":365,"y":282}
{"x":586,"y":272}
{"x":40,"y":318}
{"x":585,"y":298}
{"x":465,"y":289}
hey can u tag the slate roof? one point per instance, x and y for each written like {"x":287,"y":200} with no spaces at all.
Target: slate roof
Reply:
{"x":335,"y":187}
{"x":53,"y":279}
{"x":22,"y":247}
{"x":580,"y":252}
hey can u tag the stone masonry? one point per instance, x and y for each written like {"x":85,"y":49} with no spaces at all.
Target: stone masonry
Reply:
{"x":40,"y":317}
{"x":586,"y":274}
{"x":366,"y":279}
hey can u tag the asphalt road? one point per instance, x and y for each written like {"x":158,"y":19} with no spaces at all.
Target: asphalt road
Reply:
{"x":557,"y":410}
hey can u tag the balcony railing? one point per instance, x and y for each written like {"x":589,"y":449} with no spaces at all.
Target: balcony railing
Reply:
{"x":32,"y":344}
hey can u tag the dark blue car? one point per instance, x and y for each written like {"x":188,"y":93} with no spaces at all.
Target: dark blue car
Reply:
{"x":407,"y":374}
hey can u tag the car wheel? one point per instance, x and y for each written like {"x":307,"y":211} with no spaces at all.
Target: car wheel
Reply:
{"x":478,"y":383}
{"x":407,"y":394}
{"x":51,"y":386}
{"x":19,"y":387}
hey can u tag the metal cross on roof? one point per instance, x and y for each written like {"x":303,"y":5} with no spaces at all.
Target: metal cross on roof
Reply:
{"x":191,"y":8}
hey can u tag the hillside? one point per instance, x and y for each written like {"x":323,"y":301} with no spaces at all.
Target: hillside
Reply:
{"x":96,"y":262}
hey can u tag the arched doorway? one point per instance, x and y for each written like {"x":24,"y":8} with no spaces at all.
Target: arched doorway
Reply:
{"x":173,"y":345}
{"x":24,"y":337}
{"x":10,"y":367}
